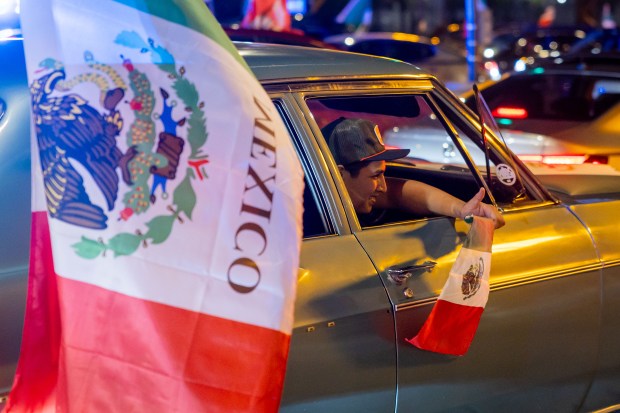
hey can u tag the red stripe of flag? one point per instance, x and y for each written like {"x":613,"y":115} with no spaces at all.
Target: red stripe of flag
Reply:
{"x":449,"y":329}
{"x":218,"y":358}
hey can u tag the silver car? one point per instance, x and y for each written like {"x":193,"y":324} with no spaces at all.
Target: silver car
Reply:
{"x":549,"y":336}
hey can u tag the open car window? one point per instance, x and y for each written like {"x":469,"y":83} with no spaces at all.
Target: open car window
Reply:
{"x":439,"y":151}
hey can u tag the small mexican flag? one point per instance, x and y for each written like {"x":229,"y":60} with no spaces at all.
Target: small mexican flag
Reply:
{"x":453,"y":321}
{"x":166,"y":215}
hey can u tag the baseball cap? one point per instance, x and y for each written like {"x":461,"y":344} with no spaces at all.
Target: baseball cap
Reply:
{"x":354,"y":140}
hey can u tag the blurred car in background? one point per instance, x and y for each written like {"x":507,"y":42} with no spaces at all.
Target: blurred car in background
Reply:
{"x":599,"y":48}
{"x":516,"y":46}
{"x":291,"y":38}
{"x":572,"y":114}
{"x":448,"y":64}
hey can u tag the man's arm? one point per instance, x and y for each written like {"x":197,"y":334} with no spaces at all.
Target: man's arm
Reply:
{"x":420,"y":198}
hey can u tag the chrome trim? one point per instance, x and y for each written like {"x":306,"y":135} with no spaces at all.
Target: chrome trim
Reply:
{"x":345,"y":78}
{"x":510,"y":284}
{"x":608,"y":409}
{"x":14,"y":271}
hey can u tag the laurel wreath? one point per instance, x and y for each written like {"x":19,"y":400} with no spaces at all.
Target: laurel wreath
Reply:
{"x":183,"y":202}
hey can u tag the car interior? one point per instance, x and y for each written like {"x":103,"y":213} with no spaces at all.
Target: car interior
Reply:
{"x":413,"y":121}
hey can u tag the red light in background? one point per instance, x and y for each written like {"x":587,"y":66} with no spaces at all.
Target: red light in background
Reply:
{"x":509,"y":112}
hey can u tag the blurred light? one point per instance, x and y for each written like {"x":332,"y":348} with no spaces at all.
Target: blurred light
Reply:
{"x":454,"y":27}
{"x":349,"y":41}
{"x":544,"y":54}
{"x":538,"y":48}
{"x":298,"y":17}
{"x":488,"y":53}
{"x":555,"y":53}
{"x":580,"y":34}
{"x":6,"y":33}
{"x":561,"y":1}
{"x":435,"y":40}
{"x":564,"y":159}
{"x":509,"y":112}
{"x":519,"y":65}
{"x":555,"y":159}
{"x":506,"y":122}
{"x":595,"y":50}
{"x":296,"y":6}
{"x":538,"y":70}
{"x":9,"y":7}
{"x":522,"y":42}
{"x":553,"y":45}
{"x":406,"y":37}
{"x":530,"y":158}
{"x":493,"y":69}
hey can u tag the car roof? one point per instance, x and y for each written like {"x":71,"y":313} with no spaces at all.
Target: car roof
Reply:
{"x":271,"y":63}
{"x":274,"y":63}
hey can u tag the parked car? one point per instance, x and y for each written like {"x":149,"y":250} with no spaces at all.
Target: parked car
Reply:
{"x":448,"y":64}
{"x":512,"y":49}
{"x":548,"y":339}
{"x":572,"y":113}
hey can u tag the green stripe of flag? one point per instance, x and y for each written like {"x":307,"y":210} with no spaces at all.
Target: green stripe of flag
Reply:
{"x":193,"y":14}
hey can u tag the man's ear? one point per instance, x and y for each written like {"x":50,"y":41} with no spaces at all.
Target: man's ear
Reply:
{"x":341,"y":169}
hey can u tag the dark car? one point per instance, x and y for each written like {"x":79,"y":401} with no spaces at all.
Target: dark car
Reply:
{"x":572,"y":111}
{"x":549,"y":336}
{"x":291,"y":38}
{"x":600,"y":49}
{"x":516,"y":47}
{"x":448,"y":64}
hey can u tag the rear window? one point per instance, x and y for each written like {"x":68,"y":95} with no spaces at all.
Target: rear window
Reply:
{"x":557,"y":97}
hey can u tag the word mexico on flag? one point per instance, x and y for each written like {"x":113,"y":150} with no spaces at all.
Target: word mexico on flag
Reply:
{"x":453,"y":321}
{"x":166,"y":215}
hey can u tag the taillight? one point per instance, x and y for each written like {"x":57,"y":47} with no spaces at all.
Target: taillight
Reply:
{"x":598,"y":159}
{"x":565,"y":159}
{"x":510,"y":112}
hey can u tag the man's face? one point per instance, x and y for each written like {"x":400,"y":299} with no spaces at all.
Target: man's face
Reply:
{"x":366,"y":186}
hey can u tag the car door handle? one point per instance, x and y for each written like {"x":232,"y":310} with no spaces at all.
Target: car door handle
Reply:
{"x":399,"y":275}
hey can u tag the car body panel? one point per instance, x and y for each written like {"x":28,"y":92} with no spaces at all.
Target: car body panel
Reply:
{"x":514,"y":315}
{"x":606,"y":386}
{"x":342,"y":348}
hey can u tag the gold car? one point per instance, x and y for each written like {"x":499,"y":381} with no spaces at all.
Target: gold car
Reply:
{"x":549,"y":337}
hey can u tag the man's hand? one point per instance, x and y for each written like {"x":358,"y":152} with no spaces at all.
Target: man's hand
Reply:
{"x":475,"y":206}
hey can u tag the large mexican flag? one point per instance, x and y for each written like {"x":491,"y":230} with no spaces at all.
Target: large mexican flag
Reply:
{"x":166,"y":215}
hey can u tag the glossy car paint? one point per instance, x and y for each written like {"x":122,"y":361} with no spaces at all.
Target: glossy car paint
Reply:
{"x":547,"y":338}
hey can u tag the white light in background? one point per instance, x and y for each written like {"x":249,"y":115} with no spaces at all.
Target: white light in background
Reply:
{"x":9,"y":7}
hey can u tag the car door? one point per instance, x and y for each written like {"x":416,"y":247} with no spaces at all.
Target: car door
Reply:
{"x":536,"y":345}
{"x":342,"y":355}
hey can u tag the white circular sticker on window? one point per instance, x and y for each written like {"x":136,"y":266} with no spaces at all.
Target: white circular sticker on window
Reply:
{"x":505,"y":174}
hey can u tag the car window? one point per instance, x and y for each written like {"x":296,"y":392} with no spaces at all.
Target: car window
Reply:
{"x":414,"y":122}
{"x":315,"y":221}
